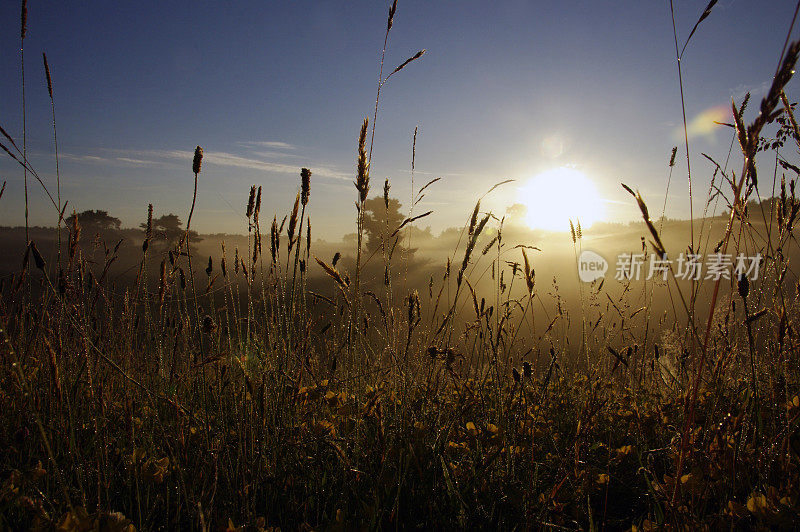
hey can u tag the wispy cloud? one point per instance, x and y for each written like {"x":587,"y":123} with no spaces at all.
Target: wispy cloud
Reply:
{"x":276,"y":155}
{"x":86,"y":158}
{"x":237,"y":161}
{"x":83,"y":158}
{"x":256,"y":161}
{"x":135,"y":161}
{"x":756,"y":91}
{"x":272,"y":144}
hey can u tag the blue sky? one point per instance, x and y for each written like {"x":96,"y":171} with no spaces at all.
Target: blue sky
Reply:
{"x":507,"y":89}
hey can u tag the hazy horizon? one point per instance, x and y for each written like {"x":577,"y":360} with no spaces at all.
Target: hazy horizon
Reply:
{"x":502,"y":93}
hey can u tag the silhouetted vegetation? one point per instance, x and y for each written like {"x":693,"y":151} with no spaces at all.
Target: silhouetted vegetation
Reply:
{"x":155,"y":378}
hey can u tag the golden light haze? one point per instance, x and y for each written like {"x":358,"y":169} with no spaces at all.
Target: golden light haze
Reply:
{"x":554,"y":197}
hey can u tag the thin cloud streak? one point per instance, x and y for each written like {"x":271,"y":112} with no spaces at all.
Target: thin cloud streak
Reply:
{"x":275,"y":145}
{"x":276,"y":155}
{"x":84,"y":158}
{"x":134,"y":161}
{"x":224,"y":159}
{"x":237,"y":161}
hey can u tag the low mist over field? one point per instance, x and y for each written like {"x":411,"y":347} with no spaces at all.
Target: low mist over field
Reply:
{"x":339,"y":266}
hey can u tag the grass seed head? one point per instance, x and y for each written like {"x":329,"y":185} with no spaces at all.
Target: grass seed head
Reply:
{"x":293,"y":221}
{"x":305,"y":186}
{"x":362,"y":176}
{"x":333,"y":273}
{"x":223,"y":266}
{"x":770,"y":101}
{"x":208,"y":325}
{"x":148,"y":232}
{"x":24,"y":20}
{"x":251,"y":202}
{"x":391,"y":16}
{"x":474,"y":219}
{"x":38,"y":260}
{"x":197,"y":162}
{"x":257,"y":209}
{"x":409,"y":60}
{"x":47,"y":74}
{"x":743,"y":286}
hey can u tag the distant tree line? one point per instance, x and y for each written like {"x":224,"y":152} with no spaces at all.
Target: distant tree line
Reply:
{"x":167,"y":228}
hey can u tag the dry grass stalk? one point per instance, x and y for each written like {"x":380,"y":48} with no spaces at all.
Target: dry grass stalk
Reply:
{"x":391,"y":16}
{"x":308,"y":236}
{"x":75,"y":236}
{"x":767,"y":111}
{"x":251,"y":202}
{"x":410,"y":220}
{"x":23,"y":20}
{"x":274,"y":240}
{"x":148,"y":232}
{"x":656,"y":242}
{"x":197,"y":161}
{"x":305,"y":186}
{"x":766,"y":115}
{"x":491,"y":243}
{"x":530,"y":274}
{"x":38,"y":260}
{"x":47,"y":75}
{"x":471,"y":246}
{"x":362,"y":175}
{"x":405,"y":63}
{"x":332,"y":272}
{"x":257,"y":208}
{"x":162,"y":283}
{"x":22,"y":32}
{"x":293,"y":222}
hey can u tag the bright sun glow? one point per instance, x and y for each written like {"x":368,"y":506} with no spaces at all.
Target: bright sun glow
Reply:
{"x":555,"y":197}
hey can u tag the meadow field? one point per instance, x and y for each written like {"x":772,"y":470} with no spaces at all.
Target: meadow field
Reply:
{"x":157,"y":378}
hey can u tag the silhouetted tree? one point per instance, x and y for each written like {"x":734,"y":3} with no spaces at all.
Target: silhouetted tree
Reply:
{"x":375,"y":218}
{"x":168,"y":228}
{"x":94,"y":221}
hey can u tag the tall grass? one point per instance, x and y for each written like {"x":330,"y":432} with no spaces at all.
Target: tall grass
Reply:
{"x":22,"y":33}
{"x":274,"y":399}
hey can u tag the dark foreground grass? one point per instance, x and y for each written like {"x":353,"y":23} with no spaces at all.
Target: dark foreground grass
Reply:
{"x":244,"y":399}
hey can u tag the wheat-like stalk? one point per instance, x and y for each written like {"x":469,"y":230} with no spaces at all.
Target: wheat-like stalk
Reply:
{"x":55,"y":146}
{"x":305,"y":185}
{"x":22,"y":33}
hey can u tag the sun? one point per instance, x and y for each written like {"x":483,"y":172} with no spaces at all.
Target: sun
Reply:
{"x":556,"y":196}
